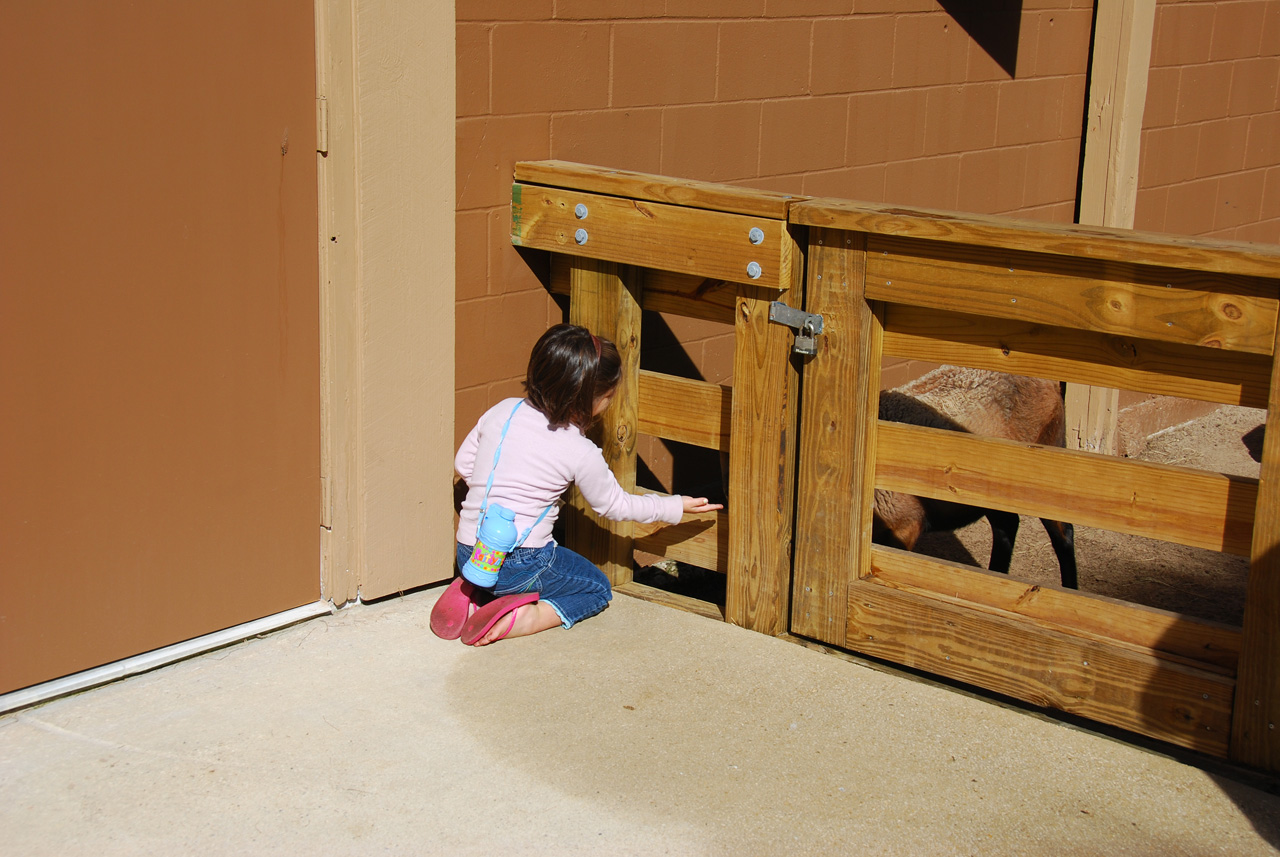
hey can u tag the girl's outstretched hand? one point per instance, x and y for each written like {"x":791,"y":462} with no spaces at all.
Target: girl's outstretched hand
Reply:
{"x":694,"y":505}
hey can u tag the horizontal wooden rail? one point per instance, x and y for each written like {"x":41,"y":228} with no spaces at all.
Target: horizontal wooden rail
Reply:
{"x":692,"y":297}
{"x":1099,"y":680}
{"x":701,"y":540}
{"x":1085,"y":357}
{"x":1166,"y":305}
{"x":680,"y":294}
{"x":1081,"y":242}
{"x":694,"y":241}
{"x":1174,"y":504}
{"x":1195,"y":640}
{"x":672,"y":599}
{"x":692,"y":412}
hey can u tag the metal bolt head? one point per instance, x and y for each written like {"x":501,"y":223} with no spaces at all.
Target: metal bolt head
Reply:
{"x":756,"y":235}
{"x":753,"y":270}
{"x":580,"y":211}
{"x":580,"y":236}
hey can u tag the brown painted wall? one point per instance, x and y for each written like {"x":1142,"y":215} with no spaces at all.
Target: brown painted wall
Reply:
{"x":158,"y":326}
{"x":1211,"y":129}
{"x":881,"y":100}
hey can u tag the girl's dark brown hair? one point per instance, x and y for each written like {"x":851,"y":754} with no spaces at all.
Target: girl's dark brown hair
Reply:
{"x":568,"y":370}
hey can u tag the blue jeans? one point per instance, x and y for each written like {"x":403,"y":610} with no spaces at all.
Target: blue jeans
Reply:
{"x":569,"y":582}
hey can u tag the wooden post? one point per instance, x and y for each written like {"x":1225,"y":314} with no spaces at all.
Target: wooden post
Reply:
{"x":605,"y":299}
{"x":841,"y":392}
{"x":1255,"y":728}
{"x":1117,"y":95}
{"x":762,"y":451}
{"x":1092,"y":416}
{"x":1122,"y":34}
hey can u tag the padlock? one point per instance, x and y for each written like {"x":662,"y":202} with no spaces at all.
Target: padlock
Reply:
{"x":806,"y":341}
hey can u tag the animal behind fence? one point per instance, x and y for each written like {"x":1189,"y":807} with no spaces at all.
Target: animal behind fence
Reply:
{"x":987,"y":404}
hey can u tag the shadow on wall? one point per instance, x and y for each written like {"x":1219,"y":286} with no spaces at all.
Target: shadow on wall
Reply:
{"x":993,"y":24}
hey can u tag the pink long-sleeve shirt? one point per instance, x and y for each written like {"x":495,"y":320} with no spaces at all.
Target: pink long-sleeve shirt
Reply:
{"x":537,"y":464}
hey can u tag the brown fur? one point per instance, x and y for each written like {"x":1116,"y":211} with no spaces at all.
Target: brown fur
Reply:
{"x":981,"y":402}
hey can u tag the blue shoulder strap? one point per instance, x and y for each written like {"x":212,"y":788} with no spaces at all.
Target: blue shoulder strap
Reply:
{"x":484,"y":505}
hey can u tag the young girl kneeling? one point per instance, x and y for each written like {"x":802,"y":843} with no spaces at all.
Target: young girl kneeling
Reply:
{"x":522,"y":455}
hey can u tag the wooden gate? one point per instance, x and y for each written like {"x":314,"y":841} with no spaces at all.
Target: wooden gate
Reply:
{"x":1170,"y":316}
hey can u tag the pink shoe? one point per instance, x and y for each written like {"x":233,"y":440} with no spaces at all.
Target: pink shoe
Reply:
{"x":488,"y":615}
{"x":454,"y":606}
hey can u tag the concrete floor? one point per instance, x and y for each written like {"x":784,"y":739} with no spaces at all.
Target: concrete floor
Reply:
{"x":642,"y":731}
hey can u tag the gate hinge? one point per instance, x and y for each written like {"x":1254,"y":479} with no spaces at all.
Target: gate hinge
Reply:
{"x":807,"y":326}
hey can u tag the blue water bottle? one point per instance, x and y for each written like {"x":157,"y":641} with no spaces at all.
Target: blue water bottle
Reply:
{"x":495,"y":537}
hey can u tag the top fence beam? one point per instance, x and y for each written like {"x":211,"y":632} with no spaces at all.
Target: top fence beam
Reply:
{"x":691,"y":194}
{"x":1089,"y":242}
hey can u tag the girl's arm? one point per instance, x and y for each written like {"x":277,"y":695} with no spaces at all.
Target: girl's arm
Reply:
{"x":606,"y":497}
{"x":600,"y":488}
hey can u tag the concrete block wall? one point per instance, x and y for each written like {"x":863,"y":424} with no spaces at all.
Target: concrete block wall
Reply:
{"x":1210,"y":158}
{"x":880,"y":100}
{"x":1210,"y":161}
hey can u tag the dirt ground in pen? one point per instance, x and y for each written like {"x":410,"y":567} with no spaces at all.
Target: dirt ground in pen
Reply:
{"x":1171,"y":577}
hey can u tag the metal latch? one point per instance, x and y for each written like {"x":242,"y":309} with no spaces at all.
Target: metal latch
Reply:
{"x":806,"y":325}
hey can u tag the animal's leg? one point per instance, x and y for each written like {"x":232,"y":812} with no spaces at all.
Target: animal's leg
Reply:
{"x":903,"y":537}
{"x":1063,"y":538}
{"x":900,"y":520}
{"x":1004,"y":529}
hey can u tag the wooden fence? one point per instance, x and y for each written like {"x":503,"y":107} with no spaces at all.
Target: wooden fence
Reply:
{"x":1157,"y":314}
